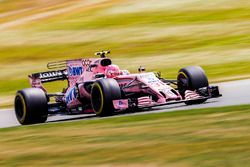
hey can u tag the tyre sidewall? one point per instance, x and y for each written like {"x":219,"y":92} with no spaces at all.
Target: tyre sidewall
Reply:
{"x":196,"y":78}
{"x":109,"y":91}
{"x":35,"y":106}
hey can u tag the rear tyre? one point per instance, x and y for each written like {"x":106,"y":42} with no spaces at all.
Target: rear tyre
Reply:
{"x":31,"y":106}
{"x":103,"y":92}
{"x":191,"y":78}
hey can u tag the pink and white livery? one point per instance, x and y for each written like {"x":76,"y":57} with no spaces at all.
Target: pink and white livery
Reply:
{"x":95,"y":85}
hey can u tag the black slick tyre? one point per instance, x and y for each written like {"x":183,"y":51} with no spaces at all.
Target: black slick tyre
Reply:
{"x":103,"y":92}
{"x":31,"y":106}
{"x":191,"y":78}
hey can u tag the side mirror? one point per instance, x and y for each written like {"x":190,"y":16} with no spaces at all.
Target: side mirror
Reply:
{"x":158,"y":74}
{"x":99,"y":75}
{"x":92,"y":65}
{"x":141,"y":69}
{"x":89,"y":69}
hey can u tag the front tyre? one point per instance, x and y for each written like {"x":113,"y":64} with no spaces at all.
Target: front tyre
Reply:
{"x":191,"y":78}
{"x":103,"y":92}
{"x":31,"y":106}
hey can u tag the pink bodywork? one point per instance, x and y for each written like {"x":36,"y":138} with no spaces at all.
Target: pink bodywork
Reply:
{"x":146,"y":83}
{"x":87,"y":73}
{"x":138,"y":83}
{"x":81,"y":71}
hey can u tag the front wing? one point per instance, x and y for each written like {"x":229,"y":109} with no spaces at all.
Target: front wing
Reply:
{"x":145,"y":102}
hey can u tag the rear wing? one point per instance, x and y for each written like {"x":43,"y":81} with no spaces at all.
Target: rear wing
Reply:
{"x":70,"y":70}
{"x":67,"y":69}
{"x":54,"y":75}
{"x":50,"y":76}
{"x":60,"y":70}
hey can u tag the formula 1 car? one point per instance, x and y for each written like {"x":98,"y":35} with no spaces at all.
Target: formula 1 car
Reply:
{"x":95,"y":85}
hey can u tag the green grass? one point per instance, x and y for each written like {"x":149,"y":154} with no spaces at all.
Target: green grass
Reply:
{"x":200,"y":137}
{"x":153,"y":18}
{"x":213,"y":35}
{"x":12,"y":6}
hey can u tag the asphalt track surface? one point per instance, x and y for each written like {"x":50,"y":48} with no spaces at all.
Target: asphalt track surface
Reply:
{"x":233,"y":93}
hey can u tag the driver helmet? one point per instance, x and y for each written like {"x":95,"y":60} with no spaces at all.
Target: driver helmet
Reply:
{"x":112,"y":71}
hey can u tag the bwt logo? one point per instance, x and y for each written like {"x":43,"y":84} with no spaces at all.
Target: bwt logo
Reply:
{"x":74,"y":71}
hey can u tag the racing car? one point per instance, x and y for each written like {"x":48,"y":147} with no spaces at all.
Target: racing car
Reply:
{"x":96,"y":85}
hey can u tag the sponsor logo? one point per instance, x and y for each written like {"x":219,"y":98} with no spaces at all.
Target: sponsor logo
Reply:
{"x":86,"y":62}
{"x":50,"y":74}
{"x":120,"y":103}
{"x":75,"y":71}
{"x":149,"y":77}
{"x":72,"y":95}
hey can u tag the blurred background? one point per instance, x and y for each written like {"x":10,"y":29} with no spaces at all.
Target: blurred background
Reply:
{"x":162,"y":35}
